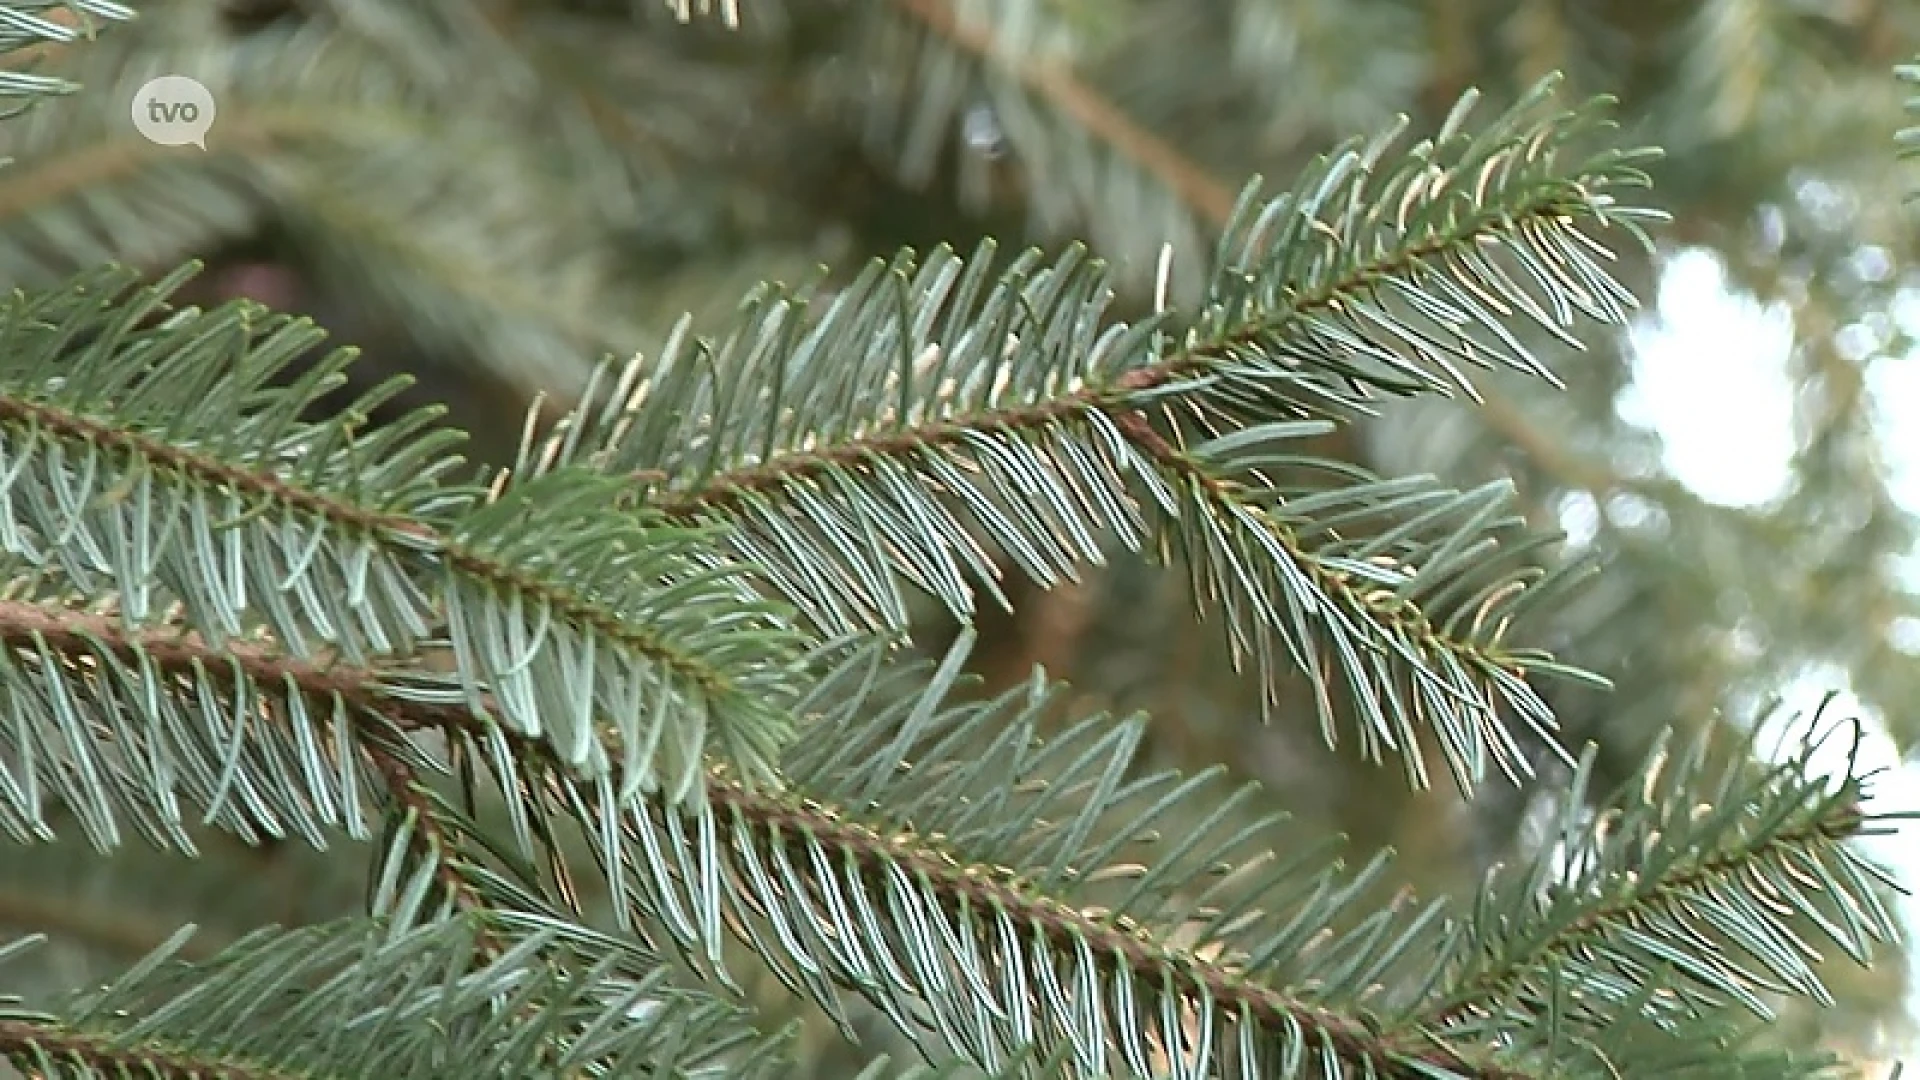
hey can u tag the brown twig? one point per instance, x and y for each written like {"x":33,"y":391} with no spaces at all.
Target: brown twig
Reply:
{"x":103,"y":1055}
{"x":118,"y":930}
{"x":430,"y":840}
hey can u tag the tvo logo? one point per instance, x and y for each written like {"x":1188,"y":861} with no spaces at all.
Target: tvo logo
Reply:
{"x":174,"y":110}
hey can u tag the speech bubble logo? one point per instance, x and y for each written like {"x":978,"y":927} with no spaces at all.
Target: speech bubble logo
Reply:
{"x":174,"y":110}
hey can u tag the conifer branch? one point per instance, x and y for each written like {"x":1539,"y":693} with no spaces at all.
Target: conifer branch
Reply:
{"x":1655,"y":874}
{"x":1215,"y":205}
{"x":1048,"y":476}
{"x":836,"y":450}
{"x":1629,"y":905}
{"x":367,"y":998}
{"x":280,"y":615}
{"x":376,"y":707}
{"x":821,"y":834}
{"x":1122,"y":948}
{"x":155,"y":463}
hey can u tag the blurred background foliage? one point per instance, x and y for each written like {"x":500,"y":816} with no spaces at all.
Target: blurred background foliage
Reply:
{"x":492,"y":194}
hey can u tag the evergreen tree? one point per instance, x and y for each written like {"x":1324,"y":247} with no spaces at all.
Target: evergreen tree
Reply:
{"x":648,"y":711}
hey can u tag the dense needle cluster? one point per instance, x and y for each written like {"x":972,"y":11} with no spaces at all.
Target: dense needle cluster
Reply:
{"x":643,"y":711}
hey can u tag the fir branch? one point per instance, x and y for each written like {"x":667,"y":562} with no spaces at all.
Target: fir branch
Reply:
{"x":434,"y":848}
{"x":943,"y":817}
{"x":786,"y":830}
{"x":1050,"y":433}
{"x":1473,"y":290}
{"x":156,"y":464}
{"x":1212,"y":202}
{"x":799,"y":831}
{"x":362,"y":998}
{"x":1683,"y":851}
{"x":31,"y":30}
{"x":122,"y":726}
{"x":872,"y":860}
{"x":1395,"y":283}
{"x":1054,"y":430}
{"x":830,"y":822}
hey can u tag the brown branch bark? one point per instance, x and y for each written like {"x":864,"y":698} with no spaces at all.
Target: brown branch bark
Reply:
{"x":431,"y":841}
{"x":117,"y":929}
{"x":103,"y":1055}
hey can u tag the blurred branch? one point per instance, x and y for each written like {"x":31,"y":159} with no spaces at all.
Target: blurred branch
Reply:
{"x":1549,"y":454}
{"x":242,"y":133}
{"x":114,"y":927}
{"x":1100,"y":117}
